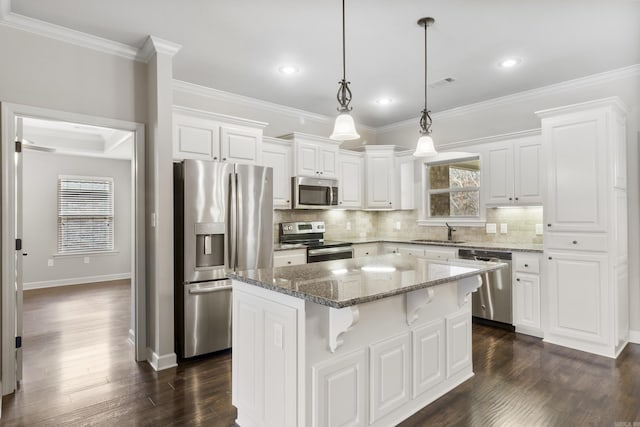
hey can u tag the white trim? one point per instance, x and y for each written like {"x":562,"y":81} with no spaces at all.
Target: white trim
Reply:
{"x":159,"y":363}
{"x":634,"y":336}
{"x":75,"y":281}
{"x":613,"y":101}
{"x":208,"y":115}
{"x":579,"y":83}
{"x":84,"y":254}
{"x":488,"y":139}
{"x":306,"y":136}
{"x":153,"y":45}
{"x":67,"y":35}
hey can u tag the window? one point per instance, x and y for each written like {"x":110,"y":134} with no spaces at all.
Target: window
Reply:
{"x":85,"y":214}
{"x":453,"y":189}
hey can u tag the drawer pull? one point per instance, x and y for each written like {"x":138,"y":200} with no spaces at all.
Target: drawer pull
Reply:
{"x":288,"y":262}
{"x":548,"y":225}
{"x":550,"y":258}
{"x":575,"y":242}
{"x":526,"y":265}
{"x":517,"y":280}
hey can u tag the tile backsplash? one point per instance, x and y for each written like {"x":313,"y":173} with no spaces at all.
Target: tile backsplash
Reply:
{"x":343,"y":225}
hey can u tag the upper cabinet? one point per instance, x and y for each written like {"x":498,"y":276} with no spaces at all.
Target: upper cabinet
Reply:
{"x":350,"y":179}
{"x":380,"y":160}
{"x":210,"y":136}
{"x":278,"y":154}
{"x":314,"y":156}
{"x":512,"y":172}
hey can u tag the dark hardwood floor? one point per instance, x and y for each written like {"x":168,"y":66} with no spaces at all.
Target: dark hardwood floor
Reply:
{"x":79,"y":370}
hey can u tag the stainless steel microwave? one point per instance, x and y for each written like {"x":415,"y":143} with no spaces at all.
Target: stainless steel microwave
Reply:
{"x":314,"y":193}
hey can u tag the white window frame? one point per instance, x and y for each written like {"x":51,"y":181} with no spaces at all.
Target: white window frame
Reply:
{"x":110,"y":216}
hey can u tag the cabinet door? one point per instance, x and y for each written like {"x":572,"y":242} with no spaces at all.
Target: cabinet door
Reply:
{"x":458,"y":343}
{"x":328,"y":161}
{"x":350,"y":175}
{"x":289,"y":257}
{"x":306,"y":159}
{"x":241,"y":145}
{"x":578,"y":299}
{"x":575,"y":158}
{"x":195,"y":138}
{"x":499,"y":174}
{"x":526,"y":298}
{"x":527,"y":172}
{"x":279,"y":157}
{"x":379,"y":180}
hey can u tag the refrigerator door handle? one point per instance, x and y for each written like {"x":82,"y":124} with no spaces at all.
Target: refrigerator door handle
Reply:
{"x":233,"y":222}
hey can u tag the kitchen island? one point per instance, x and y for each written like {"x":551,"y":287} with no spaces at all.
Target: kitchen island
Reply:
{"x":366,"y":341}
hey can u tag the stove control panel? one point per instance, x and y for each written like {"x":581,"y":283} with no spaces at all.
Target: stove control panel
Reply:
{"x":302,"y":227}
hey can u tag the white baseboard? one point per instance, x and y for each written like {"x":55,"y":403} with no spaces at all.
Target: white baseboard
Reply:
{"x":634,"y":337}
{"x":159,"y":363}
{"x":74,"y":281}
{"x":132,"y":337}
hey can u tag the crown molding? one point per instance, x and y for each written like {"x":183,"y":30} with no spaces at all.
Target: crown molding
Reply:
{"x":208,"y":115}
{"x":613,"y":101}
{"x":153,"y":45}
{"x":493,"y":138}
{"x":293,"y":136}
{"x":579,"y":83}
{"x":67,"y":35}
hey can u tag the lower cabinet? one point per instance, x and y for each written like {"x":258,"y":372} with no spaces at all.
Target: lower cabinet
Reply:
{"x":289,"y":257}
{"x":429,"y":352}
{"x":390,"y":375}
{"x":365,"y":249}
{"x":526,"y":294}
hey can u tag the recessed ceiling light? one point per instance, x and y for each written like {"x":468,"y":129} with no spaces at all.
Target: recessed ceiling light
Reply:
{"x":384,"y":101}
{"x":509,"y":62}
{"x":288,"y":69}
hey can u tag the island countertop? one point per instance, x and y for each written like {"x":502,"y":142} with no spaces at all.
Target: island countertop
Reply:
{"x":348,"y":282}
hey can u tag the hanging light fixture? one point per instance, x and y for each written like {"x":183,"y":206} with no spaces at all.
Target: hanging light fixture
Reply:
{"x":344,"y":128}
{"x":425,"y":147}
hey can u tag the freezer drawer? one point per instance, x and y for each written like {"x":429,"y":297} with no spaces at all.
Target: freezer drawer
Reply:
{"x":207,"y":317}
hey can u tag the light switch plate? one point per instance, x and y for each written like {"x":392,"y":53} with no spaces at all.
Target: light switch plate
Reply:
{"x":503,"y":228}
{"x":50,"y":262}
{"x":538,"y":229}
{"x":348,"y":225}
{"x":86,"y":260}
{"x":491,"y":228}
{"x":398,"y":225}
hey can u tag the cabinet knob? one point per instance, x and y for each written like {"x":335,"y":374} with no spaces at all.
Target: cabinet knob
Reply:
{"x":575,"y":242}
{"x":288,"y":201}
{"x":516,"y":198}
{"x":550,"y":258}
{"x":389,"y":202}
{"x":288,"y":262}
{"x":510,"y":198}
{"x":366,"y":253}
{"x":224,"y":159}
{"x":548,"y":225}
{"x":215,"y":158}
{"x":340,"y":201}
{"x":517,"y":280}
{"x":526,"y":265}
{"x":321,"y":172}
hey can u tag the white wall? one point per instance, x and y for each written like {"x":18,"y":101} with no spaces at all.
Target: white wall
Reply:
{"x":516,"y":113}
{"x":40,"y":206}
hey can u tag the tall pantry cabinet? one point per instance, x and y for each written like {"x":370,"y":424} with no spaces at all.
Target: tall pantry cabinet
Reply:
{"x":585,"y":214}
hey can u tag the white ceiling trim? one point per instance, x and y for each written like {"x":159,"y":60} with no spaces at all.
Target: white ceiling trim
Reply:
{"x":64,"y":34}
{"x":592,"y":80}
{"x":153,"y":45}
{"x":493,"y":138}
{"x":220,"y":95}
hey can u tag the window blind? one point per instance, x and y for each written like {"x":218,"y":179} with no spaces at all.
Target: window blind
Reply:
{"x":85,"y":214}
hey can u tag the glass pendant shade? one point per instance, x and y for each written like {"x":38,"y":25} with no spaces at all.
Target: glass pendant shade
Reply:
{"x":345,"y":128}
{"x":424,"y":147}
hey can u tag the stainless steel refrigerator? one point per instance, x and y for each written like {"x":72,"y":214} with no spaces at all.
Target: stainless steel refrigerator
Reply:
{"x":223,"y":217}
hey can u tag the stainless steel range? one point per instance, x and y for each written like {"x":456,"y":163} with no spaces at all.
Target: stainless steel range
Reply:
{"x":311,"y":234}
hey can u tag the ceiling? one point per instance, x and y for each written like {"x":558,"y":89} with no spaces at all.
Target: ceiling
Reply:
{"x":237,"y":46}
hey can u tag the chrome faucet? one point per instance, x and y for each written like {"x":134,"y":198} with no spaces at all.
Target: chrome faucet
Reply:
{"x":450,"y":231}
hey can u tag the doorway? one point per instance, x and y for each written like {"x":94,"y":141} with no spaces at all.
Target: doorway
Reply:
{"x":118,"y":139}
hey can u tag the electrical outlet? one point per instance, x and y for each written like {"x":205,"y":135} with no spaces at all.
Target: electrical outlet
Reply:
{"x":50,"y":262}
{"x":538,"y":229}
{"x":398,"y":225}
{"x":348,"y":225}
{"x":490,"y":228}
{"x":86,"y":260}
{"x":503,"y":228}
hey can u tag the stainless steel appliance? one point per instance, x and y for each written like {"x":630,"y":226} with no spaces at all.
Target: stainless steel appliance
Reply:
{"x":493,"y":300}
{"x":314,"y":193}
{"x":223,"y":217}
{"x":311,"y":234}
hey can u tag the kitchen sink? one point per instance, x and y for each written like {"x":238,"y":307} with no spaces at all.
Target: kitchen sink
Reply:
{"x":437,"y":241}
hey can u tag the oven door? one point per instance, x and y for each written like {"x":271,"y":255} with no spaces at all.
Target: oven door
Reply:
{"x":329,"y":254}
{"x":314,"y":193}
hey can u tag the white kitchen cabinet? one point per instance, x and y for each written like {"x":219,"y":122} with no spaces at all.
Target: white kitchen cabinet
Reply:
{"x":585,"y":212}
{"x":513,"y":172}
{"x":278,"y":154}
{"x":365,"y":249}
{"x":526,"y":294}
{"x":405,"y":180}
{"x":314,"y":156}
{"x":210,"y":136}
{"x":441,"y":253}
{"x":289,"y":257}
{"x":380,"y":180}
{"x":350,"y":179}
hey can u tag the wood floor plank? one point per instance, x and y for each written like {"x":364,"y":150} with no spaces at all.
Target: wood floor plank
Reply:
{"x":79,"y":370}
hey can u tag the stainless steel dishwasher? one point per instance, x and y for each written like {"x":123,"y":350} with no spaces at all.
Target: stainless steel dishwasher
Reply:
{"x":493,"y":300}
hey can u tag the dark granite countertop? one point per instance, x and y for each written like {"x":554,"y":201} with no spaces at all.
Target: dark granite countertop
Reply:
{"x":504,"y":246}
{"x":347,"y":282}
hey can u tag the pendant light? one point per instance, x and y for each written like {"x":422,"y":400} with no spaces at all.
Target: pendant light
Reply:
{"x":425,"y":147}
{"x":344,"y":128}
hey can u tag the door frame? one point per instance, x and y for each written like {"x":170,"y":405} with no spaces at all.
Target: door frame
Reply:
{"x":8,"y":114}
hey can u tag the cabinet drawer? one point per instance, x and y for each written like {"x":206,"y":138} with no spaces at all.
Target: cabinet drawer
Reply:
{"x":369,"y":249}
{"x":440,"y":253}
{"x":291,"y":257}
{"x":576,"y":241}
{"x":526,"y":264}
{"x":415,"y":251}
